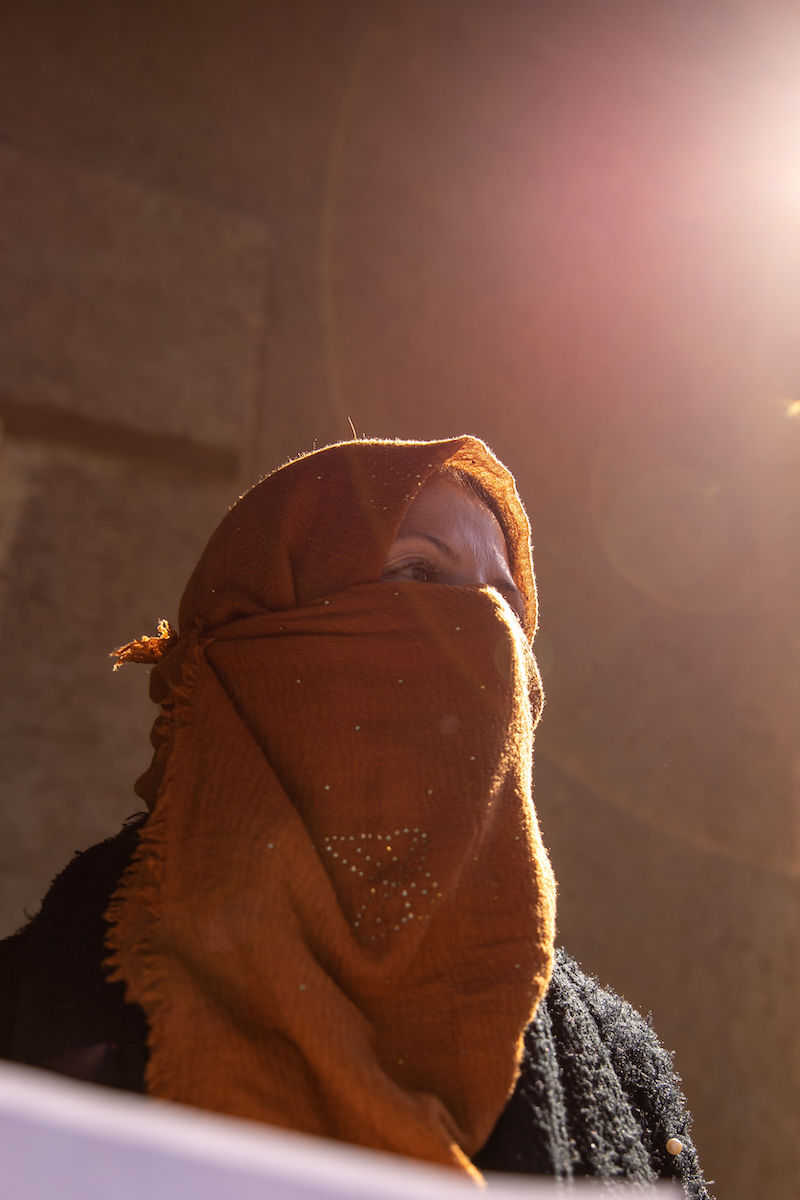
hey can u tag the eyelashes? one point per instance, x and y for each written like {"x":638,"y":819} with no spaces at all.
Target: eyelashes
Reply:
{"x":411,"y":570}
{"x":514,"y":599}
{"x":416,"y":568}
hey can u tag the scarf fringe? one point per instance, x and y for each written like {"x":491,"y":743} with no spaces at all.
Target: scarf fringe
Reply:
{"x":147,"y":649}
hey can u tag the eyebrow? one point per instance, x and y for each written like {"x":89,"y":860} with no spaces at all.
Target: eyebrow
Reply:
{"x":446,"y":550}
{"x":502,"y":584}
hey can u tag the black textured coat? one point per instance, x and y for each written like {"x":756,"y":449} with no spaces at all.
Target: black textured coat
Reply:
{"x":596,"y":1095}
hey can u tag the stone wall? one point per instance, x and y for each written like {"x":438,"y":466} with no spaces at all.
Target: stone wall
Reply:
{"x":567,"y":228}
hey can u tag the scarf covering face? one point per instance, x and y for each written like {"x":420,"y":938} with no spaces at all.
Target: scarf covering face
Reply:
{"x":340,"y":918}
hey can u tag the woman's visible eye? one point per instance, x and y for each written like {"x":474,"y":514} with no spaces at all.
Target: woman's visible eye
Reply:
{"x":417,"y":570}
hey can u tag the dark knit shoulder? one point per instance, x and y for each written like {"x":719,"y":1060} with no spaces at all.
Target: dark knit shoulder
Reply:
{"x":57,"y":1009}
{"x":646,"y":1073}
{"x":596,"y":1096}
{"x":12,"y":964}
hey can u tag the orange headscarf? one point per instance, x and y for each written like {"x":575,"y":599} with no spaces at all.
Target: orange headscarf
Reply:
{"x":340,"y":917}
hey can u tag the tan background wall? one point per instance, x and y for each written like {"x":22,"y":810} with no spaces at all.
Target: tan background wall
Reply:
{"x":567,"y":227}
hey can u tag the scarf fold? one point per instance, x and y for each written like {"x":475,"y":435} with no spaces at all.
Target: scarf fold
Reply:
{"x":340,"y":916}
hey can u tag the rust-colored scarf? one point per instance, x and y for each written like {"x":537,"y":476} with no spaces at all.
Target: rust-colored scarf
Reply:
{"x":340,"y":917}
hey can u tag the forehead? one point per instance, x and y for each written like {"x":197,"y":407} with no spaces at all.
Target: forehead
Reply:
{"x":447,"y":508}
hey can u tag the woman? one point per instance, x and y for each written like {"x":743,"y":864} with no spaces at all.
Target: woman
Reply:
{"x":339,"y":915}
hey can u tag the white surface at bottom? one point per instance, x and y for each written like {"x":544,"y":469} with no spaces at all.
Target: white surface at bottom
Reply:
{"x":62,"y":1140}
